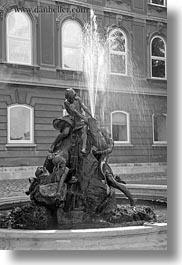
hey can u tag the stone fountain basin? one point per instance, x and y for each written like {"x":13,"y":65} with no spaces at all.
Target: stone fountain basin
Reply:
{"x":147,"y":237}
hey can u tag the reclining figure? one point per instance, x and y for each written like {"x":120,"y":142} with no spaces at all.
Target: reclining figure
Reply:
{"x":102,"y":156}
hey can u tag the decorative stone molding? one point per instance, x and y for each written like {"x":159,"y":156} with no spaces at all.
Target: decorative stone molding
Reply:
{"x":61,"y":18}
{"x":159,"y":9}
{"x":20,"y":3}
{"x":160,"y":27}
{"x":99,"y":20}
{"x":58,"y":21}
{"x":1,"y":14}
{"x":131,"y":34}
{"x":120,"y":23}
{"x":70,"y":15}
{"x":120,"y":3}
{"x":159,"y":31}
{"x":67,"y":74}
{"x":154,"y":8}
{"x":119,"y":20}
{"x":116,"y":1}
{"x":7,"y":7}
{"x":3,"y":10}
{"x":148,"y":37}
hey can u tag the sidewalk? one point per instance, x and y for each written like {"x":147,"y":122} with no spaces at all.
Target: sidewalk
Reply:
{"x":13,"y":187}
{"x":14,"y":191}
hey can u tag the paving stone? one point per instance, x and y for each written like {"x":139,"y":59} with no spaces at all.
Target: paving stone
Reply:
{"x":13,"y":187}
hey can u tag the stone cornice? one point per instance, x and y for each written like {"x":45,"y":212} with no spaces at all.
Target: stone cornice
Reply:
{"x":115,"y":11}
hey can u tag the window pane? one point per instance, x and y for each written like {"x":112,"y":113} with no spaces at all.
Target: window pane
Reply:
{"x":19,"y":51}
{"x":160,"y":128}
{"x":20,"y":124}
{"x":119,"y":132}
{"x":72,"y":46}
{"x":119,"y":126}
{"x":117,"y":42}
{"x":18,"y":25}
{"x":118,"y":63}
{"x":158,"y":68}
{"x":119,"y":118}
{"x":19,"y":48}
{"x":158,"y":2}
{"x":72,"y":34}
{"x":72,"y":58}
{"x":158,"y":47}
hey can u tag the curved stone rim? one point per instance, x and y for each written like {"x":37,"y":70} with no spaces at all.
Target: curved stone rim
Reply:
{"x":150,"y":236}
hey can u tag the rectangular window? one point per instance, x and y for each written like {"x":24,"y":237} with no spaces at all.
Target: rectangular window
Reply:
{"x":158,"y":68}
{"x":159,"y":127}
{"x":118,"y":64}
{"x":120,"y":127}
{"x":19,"y":51}
{"x":119,"y":133}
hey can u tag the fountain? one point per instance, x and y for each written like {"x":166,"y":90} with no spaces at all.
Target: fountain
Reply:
{"x":95,"y":53}
{"x":75,"y":188}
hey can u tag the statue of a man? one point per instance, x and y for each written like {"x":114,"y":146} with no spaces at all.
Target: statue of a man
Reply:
{"x":76,"y":108}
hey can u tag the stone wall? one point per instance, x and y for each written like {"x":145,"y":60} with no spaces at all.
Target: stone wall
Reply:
{"x":42,"y":84}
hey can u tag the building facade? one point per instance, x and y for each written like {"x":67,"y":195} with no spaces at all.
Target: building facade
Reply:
{"x":40,"y":57}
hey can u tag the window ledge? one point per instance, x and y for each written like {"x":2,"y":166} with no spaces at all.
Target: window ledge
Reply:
{"x":153,"y":79}
{"x":69,"y":74}
{"x":21,"y":66}
{"x":159,"y":6}
{"x":68,"y":70}
{"x":159,"y":145}
{"x":118,"y":74}
{"x":123,"y":144}
{"x":21,"y":145}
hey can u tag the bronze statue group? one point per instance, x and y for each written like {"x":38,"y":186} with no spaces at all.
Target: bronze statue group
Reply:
{"x":79,"y":152}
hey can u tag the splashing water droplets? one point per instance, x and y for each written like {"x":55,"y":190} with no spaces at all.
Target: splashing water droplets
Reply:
{"x":95,"y":60}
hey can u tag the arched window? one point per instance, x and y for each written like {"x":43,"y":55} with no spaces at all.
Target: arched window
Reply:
{"x":158,"y":58}
{"x":118,"y":52}
{"x":19,"y":38}
{"x":120,"y":127}
{"x":159,"y":128}
{"x":72,"y":57}
{"x":20,"y":124}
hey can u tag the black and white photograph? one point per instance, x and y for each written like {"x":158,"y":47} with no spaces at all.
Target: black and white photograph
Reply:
{"x":83,"y":125}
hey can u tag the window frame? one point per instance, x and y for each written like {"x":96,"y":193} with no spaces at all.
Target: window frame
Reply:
{"x":158,"y":142}
{"x":158,"y":58}
{"x":21,"y":142}
{"x":31,"y":39}
{"x":70,"y":46}
{"x":164,"y":5}
{"x":119,"y":53}
{"x":128,"y":127}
